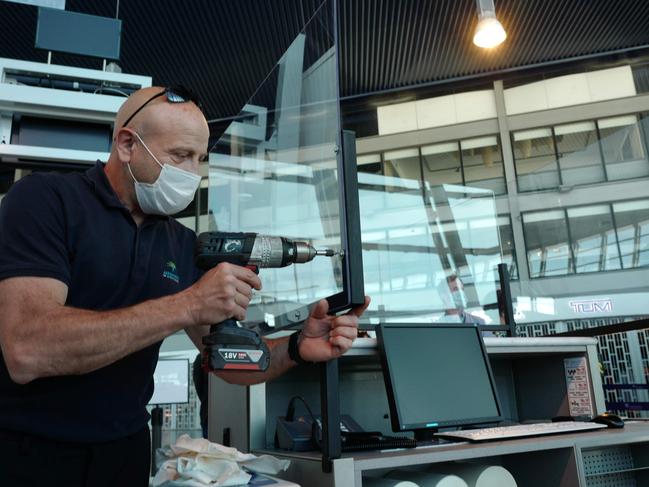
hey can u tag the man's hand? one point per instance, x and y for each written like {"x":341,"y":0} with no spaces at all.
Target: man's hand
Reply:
{"x":325,"y":337}
{"x":223,"y":292}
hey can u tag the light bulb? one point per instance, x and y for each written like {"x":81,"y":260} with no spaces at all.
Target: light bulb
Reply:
{"x":489,"y":32}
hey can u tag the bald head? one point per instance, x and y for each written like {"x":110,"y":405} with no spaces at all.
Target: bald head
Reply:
{"x":152,"y":116}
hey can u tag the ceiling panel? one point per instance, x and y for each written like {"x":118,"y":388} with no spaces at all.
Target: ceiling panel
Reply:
{"x":224,"y":49}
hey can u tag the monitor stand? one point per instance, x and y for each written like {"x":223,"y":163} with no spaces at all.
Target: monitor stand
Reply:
{"x":425,"y":436}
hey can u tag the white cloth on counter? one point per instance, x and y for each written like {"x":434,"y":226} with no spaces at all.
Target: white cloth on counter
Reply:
{"x":197,"y":462}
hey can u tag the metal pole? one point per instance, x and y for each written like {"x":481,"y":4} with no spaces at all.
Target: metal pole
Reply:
{"x":330,"y":406}
{"x":156,"y":434}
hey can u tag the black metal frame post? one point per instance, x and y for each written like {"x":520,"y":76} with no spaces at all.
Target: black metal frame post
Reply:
{"x":353,"y":293}
{"x":330,"y":407}
{"x":506,"y":296}
{"x":156,"y":434}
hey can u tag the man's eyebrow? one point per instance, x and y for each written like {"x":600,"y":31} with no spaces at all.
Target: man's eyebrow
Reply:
{"x":181,"y":148}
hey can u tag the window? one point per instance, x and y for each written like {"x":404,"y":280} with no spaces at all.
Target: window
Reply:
{"x":476,"y":163}
{"x":593,"y":239}
{"x":623,"y":148}
{"x":483,"y":164}
{"x":632,"y":225}
{"x":609,"y":149}
{"x":580,"y":160}
{"x":441,"y":165}
{"x":403,"y":164}
{"x":641,"y":78}
{"x":547,"y":243}
{"x":583,"y":239}
{"x":370,"y":163}
{"x":535,"y":160}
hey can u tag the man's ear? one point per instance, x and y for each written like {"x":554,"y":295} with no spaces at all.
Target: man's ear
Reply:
{"x":124,"y":144}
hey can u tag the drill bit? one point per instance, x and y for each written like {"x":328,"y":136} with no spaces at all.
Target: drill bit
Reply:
{"x":326,"y":252}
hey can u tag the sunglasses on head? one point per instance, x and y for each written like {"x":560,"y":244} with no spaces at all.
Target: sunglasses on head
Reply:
{"x":175,"y":94}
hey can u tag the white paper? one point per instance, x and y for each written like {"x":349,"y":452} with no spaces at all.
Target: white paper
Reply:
{"x":578,"y":386}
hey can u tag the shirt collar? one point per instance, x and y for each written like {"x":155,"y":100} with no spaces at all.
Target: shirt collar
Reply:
{"x":105,"y":192}
{"x":102,"y":187}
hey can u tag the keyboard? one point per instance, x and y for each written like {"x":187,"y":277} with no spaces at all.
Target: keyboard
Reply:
{"x":520,"y":431}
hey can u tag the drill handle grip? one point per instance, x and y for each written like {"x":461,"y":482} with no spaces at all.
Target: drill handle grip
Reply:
{"x":229,"y":323}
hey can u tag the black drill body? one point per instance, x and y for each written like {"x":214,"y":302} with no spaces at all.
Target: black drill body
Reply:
{"x":228,"y":346}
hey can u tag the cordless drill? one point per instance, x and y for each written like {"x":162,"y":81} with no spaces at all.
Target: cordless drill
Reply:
{"x":228,"y":346}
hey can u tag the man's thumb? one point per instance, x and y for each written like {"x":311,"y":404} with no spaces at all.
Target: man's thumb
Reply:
{"x":320,"y":310}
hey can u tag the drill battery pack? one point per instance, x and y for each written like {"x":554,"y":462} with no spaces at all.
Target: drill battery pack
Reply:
{"x":230,"y":347}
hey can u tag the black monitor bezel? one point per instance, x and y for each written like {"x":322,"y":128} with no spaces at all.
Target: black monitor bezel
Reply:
{"x":395,"y":418}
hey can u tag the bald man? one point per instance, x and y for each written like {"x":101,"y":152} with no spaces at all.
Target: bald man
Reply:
{"x":94,"y":274}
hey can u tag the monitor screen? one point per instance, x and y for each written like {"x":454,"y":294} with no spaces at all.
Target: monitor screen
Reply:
{"x":171,"y":382}
{"x":76,"y":33}
{"x":437,"y":375}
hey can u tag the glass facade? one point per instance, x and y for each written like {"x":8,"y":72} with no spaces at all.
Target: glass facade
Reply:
{"x":536,"y":159}
{"x":558,"y":193}
{"x":546,"y":236}
{"x":416,"y":188}
{"x":632,"y":228}
{"x":482,"y":164}
{"x":581,"y":153}
{"x":582,"y":239}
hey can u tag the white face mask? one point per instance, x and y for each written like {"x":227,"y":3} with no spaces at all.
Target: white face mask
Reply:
{"x":458,"y":298}
{"x":171,"y":193}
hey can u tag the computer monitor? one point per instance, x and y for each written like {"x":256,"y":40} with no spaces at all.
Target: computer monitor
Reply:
{"x":171,"y":382}
{"x":436,"y":375}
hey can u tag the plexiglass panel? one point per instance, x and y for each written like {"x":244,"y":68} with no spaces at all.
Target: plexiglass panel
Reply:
{"x":430,"y":253}
{"x":274,"y":171}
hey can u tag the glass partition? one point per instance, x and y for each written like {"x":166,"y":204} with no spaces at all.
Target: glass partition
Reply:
{"x":430,"y":252}
{"x":275,"y":171}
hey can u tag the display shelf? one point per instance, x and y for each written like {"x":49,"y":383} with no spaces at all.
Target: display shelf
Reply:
{"x":566,"y":460}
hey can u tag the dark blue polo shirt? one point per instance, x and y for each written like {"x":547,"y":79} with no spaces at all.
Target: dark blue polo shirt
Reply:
{"x":73,"y":228}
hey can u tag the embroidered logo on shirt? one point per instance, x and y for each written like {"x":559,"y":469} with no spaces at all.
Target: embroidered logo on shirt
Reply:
{"x":170,"y":272}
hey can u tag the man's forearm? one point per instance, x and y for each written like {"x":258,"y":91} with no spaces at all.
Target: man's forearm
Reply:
{"x":279,"y":363}
{"x":67,"y":341}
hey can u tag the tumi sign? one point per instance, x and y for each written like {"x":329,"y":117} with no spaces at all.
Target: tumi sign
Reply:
{"x":592,"y":305}
{"x":533,"y":309}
